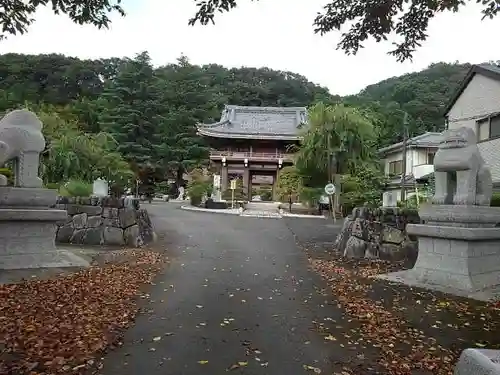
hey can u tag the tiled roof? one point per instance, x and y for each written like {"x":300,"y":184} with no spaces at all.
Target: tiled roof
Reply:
{"x":257,"y":123}
{"x":429,"y":139}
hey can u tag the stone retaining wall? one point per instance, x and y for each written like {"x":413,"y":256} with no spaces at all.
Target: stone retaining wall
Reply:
{"x":104,"y":221}
{"x":378,"y":234}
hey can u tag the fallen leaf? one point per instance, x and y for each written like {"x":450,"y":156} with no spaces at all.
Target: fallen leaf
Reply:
{"x":70,"y":318}
{"x":203,"y":362}
{"x":312,"y":368}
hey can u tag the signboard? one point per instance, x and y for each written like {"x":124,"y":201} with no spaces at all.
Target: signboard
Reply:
{"x":217,"y":181}
{"x":233,"y":184}
{"x":324,"y":199}
{"x":330,"y":189}
{"x":100,"y":188}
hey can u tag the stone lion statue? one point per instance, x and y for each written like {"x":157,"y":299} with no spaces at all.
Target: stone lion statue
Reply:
{"x":22,"y":141}
{"x":461,"y":175}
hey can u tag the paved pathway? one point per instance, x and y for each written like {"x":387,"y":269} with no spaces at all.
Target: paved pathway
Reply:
{"x":238,"y":289}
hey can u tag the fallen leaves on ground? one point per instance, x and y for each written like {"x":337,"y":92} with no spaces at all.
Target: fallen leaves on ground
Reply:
{"x":58,"y":325}
{"x":397,"y":320}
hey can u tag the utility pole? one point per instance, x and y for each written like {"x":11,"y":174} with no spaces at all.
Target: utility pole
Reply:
{"x":329,"y":155}
{"x":403,"y":166}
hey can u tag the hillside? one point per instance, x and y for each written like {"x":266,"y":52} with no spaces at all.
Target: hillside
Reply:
{"x":66,"y":81}
{"x":423,"y":95}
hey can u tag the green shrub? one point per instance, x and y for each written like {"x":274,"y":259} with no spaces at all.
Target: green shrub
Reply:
{"x":239,"y":193}
{"x":53,"y":185}
{"x":495,"y":200}
{"x":76,"y":188}
{"x":311,"y":196}
{"x":266,"y":195}
{"x":7,"y":172}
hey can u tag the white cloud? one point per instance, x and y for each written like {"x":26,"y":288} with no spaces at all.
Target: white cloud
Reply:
{"x":273,"y":33}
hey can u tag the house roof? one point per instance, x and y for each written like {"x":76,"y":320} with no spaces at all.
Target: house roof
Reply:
{"x":283,"y":123}
{"x":487,"y":70}
{"x":426,"y":140}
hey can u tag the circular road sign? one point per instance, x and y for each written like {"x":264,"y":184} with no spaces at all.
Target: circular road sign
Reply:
{"x":330,"y":189}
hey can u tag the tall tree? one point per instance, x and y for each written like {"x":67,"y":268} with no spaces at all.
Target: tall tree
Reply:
{"x":187,"y":100}
{"x":407,"y":19}
{"x":132,"y":113}
{"x":335,"y":132}
{"x":16,"y":15}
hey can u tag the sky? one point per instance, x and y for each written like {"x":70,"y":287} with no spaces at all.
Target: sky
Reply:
{"x":273,"y":33}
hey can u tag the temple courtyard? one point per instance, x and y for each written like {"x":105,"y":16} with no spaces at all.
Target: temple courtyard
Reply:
{"x":261,"y":296}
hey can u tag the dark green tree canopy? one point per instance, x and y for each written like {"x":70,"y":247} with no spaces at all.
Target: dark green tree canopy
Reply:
{"x":408,"y":19}
{"x":16,"y":15}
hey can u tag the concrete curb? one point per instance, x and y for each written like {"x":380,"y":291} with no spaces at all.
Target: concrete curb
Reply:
{"x":249,"y":213}
{"x":303,"y":216}
{"x":210,"y":211}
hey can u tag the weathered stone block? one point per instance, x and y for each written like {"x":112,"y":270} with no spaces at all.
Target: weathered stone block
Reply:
{"x":355,"y":248}
{"x":80,"y":209}
{"x":478,"y":362}
{"x":111,"y":222}
{"x":94,"y":221}
{"x":344,"y":235}
{"x":372,"y":251}
{"x":145,"y":226}
{"x":84,"y":201}
{"x":110,"y":212}
{"x":392,"y":235}
{"x":78,"y":236}
{"x":64,"y":233}
{"x":80,"y":221}
{"x":358,"y":229}
{"x":132,"y":237}
{"x":391,"y":251}
{"x":113,"y":236}
{"x":94,"y":236}
{"x":127,"y":217}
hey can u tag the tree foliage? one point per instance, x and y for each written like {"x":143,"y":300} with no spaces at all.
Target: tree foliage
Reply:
{"x":289,"y":184}
{"x":338,"y":137}
{"x":73,"y":154}
{"x":408,"y":20}
{"x":105,"y":118}
{"x":422,"y":95}
{"x":363,"y":186}
{"x":16,"y":16}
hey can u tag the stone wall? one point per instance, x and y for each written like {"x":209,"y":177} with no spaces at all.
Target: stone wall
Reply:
{"x":104,"y":221}
{"x":378,"y":234}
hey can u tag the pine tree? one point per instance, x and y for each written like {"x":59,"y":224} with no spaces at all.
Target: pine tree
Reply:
{"x":133,"y":114}
{"x":187,"y":99}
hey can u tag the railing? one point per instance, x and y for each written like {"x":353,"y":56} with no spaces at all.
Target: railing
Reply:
{"x":251,"y":155}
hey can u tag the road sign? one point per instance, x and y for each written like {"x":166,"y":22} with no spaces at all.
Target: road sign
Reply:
{"x":233,"y":184}
{"x":330,"y":189}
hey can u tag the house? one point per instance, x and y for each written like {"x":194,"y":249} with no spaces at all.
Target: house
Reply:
{"x":476,"y":104}
{"x":420,"y":151}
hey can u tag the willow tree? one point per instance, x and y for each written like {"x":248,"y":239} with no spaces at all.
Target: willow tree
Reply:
{"x":338,"y":137}
{"x":336,"y":140}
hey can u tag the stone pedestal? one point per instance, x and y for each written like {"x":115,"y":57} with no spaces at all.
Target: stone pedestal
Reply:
{"x":478,"y":362}
{"x":458,"y":251}
{"x":28,"y":228}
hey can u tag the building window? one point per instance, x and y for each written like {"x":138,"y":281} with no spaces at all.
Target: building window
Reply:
{"x":495,"y":127}
{"x":396,"y":167}
{"x":488,"y":128}
{"x":430,"y":158}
